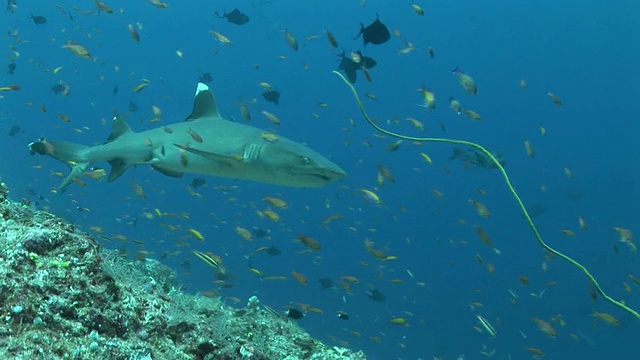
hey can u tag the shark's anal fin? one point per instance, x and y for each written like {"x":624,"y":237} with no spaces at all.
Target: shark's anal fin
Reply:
{"x":167,"y":172}
{"x":204,"y":104}
{"x":118,"y":167}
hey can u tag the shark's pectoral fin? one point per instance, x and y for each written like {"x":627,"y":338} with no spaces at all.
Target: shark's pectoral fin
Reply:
{"x":118,"y":167}
{"x":224,"y":159}
{"x":167,"y":172}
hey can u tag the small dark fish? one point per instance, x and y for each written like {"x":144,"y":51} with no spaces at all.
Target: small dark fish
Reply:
{"x":376,"y":295}
{"x":575,"y":193}
{"x":15,"y":130}
{"x":186,"y":264}
{"x":60,"y":89}
{"x":350,"y":67}
{"x":25,"y":202}
{"x":366,"y":62}
{"x":294,"y":314}
{"x":114,"y":90}
{"x":11,"y":68}
{"x":222,"y":274}
{"x":272,"y":96}
{"x":38,"y":19}
{"x":11,"y":5}
{"x":375,"y":33}
{"x":31,"y":191}
{"x":431,"y":52}
{"x":260,"y":233}
{"x":475,"y":157}
{"x":133,"y":107}
{"x":332,"y":39}
{"x":235,"y":17}
{"x":343,"y":315}
{"x":198,"y":182}
{"x":205,"y":78}
{"x":273,"y":251}
{"x":326,"y":283}
{"x":57,"y":88}
{"x":536,"y":210}
{"x":65,"y":13}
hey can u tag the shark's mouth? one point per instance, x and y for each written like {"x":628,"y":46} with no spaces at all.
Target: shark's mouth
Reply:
{"x":323,"y":177}
{"x":312,"y":175}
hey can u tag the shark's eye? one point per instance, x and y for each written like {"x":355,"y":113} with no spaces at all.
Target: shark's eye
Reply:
{"x":305,"y":160}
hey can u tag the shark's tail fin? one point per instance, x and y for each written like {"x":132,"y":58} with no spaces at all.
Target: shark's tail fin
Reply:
{"x":69,"y":153}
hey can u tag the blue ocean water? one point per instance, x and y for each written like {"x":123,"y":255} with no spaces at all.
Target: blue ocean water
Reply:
{"x":584,"y":52}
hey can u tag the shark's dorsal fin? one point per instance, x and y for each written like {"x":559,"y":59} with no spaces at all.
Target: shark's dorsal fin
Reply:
{"x":118,"y":128}
{"x":204,"y":104}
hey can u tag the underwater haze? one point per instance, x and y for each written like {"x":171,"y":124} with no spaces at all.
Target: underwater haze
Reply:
{"x":421,"y":251}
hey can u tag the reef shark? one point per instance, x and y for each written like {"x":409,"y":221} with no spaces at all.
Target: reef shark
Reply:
{"x":204,"y":143}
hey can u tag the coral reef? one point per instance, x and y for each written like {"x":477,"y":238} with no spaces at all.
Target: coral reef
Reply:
{"x":64,"y":297}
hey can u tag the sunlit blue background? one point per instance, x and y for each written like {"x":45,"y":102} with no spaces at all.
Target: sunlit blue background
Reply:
{"x":584,"y":51}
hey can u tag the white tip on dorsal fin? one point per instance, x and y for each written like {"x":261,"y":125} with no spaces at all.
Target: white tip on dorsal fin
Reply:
{"x":201,"y":87}
{"x":204,"y":104}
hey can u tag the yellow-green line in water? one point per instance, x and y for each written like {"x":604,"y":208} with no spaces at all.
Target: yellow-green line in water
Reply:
{"x":507,"y":181}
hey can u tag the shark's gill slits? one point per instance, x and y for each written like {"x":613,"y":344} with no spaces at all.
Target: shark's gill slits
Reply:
{"x":252,"y":152}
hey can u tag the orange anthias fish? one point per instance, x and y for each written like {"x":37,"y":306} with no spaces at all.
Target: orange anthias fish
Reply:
{"x":309,"y":242}
{"x":545,"y":327}
{"x":300,"y":277}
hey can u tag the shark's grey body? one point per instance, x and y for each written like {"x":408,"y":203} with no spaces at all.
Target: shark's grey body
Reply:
{"x":204,"y":143}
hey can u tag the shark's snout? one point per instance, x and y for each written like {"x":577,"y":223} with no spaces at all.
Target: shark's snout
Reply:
{"x":334,"y":173}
